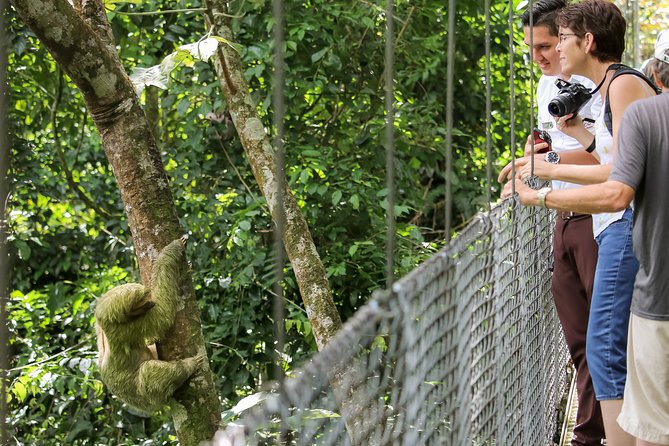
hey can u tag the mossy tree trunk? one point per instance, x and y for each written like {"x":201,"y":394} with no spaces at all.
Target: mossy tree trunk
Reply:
{"x":300,"y":248}
{"x":309,"y":271}
{"x":81,"y":41}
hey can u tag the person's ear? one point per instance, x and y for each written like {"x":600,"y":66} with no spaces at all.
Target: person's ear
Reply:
{"x":657,"y":80}
{"x":589,"y":40}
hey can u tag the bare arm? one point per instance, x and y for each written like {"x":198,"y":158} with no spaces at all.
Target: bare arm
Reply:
{"x":623,"y":91}
{"x":609,"y":196}
{"x":578,"y":156}
{"x":572,"y":173}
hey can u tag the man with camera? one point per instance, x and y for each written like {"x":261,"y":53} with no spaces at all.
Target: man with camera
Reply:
{"x":574,"y":247}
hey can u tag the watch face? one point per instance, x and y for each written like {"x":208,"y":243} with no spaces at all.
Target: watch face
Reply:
{"x":552,"y":157}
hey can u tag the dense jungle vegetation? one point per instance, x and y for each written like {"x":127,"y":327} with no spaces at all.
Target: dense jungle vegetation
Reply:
{"x":69,"y":236}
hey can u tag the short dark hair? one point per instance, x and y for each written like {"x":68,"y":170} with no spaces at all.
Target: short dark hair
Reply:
{"x":603,"y":20}
{"x":544,"y":13}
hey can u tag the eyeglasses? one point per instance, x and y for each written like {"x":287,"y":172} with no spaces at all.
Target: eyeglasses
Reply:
{"x":563,"y":36}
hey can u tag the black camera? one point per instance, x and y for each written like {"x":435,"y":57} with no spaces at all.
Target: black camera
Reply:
{"x":570,"y":99}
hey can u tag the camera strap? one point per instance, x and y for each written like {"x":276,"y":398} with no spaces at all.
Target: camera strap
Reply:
{"x":620,"y":69}
{"x":613,"y":66}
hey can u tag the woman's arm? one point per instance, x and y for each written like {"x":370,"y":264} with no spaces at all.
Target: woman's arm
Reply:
{"x":623,"y":91}
{"x":572,"y":173}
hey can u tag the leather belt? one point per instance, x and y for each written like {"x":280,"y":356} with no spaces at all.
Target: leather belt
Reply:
{"x":568,"y":215}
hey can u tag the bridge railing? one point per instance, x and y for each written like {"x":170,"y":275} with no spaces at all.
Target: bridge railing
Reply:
{"x":467,"y":349}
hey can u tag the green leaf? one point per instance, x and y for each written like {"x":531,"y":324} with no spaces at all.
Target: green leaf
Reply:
{"x":23,"y":248}
{"x":20,"y":391}
{"x":318,"y":55}
{"x":82,"y":427}
{"x":355,"y":201}
{"x":336,"y":197}
{"x":235,"y":46}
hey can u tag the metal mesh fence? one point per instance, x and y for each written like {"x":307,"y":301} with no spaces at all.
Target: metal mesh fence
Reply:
{"x":466,"y":350}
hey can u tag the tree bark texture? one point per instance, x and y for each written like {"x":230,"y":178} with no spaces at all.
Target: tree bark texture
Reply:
{"x":300,"y":248}
{"x":81,"y":42}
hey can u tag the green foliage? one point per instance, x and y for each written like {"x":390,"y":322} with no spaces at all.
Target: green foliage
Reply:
{"x":67,"y":251}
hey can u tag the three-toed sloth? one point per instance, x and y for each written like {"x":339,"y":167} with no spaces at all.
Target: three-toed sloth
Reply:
{"x":129,"y":318}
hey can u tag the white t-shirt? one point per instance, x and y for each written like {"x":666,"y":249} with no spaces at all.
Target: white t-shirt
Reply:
{"x":547,"y":91}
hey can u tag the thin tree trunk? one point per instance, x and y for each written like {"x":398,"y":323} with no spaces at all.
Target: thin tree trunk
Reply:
{"x":300,"y":248}
{"x":81,"y":42}
{"x":309,"y":271}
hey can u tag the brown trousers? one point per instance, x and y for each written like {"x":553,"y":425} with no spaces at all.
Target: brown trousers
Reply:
{"x":575,"y":259}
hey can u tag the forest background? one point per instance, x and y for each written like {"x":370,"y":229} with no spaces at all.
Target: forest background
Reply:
{"x":69,"y":236}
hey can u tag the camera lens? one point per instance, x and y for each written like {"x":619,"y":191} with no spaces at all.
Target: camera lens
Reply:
{"x":556,"y":108}
{"x":569,"y":100}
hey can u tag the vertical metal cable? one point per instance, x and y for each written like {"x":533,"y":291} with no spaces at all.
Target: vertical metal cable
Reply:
{"x":4,"y":193}
{"x":488,"y":105}
{"x":512,"y":99}
{"x":450,"y":67}
{"x":390,"y":146}
{"x":531,"y":9}
{"x":280,"y":177}
{"x":539,"y":215}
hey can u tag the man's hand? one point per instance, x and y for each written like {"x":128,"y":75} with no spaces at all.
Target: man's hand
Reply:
{"x":526,"y":195}
{"x":543,"y":170}
{"x":505,"y":174}
{"x":537,"y":147}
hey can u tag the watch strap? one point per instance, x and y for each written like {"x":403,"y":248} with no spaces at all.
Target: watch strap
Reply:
{"x":541,"y":195}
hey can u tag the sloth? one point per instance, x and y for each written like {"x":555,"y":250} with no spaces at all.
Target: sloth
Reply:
{"x":129,"y":318}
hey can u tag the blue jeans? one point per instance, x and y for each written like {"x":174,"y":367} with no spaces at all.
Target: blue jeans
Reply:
{"x":606,"y":344}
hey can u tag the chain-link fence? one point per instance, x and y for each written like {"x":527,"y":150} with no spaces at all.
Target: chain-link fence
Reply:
{"x":466,"y":350}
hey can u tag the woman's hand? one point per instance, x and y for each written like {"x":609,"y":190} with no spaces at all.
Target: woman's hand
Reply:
{"x":573,"y":126}
{"x":570,"y":124}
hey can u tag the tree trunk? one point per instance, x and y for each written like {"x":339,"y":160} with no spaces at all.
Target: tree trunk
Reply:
{"x":300,"y":248}
{"x":81,"y":42}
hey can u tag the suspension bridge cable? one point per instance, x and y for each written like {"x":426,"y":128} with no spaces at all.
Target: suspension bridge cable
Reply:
{"x":390,"y":146}
{"x":4,"y":194}
{"x":531,"y":65}
{"x":488,"y":106}
{"x":539,"y":215}
{"x":280,"y":178}
{"x":450,"y":67}
{"x":512,"y":99}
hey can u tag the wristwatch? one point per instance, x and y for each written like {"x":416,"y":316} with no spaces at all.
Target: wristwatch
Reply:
{"x":552,"y":157}
{"x":541,"y":195}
